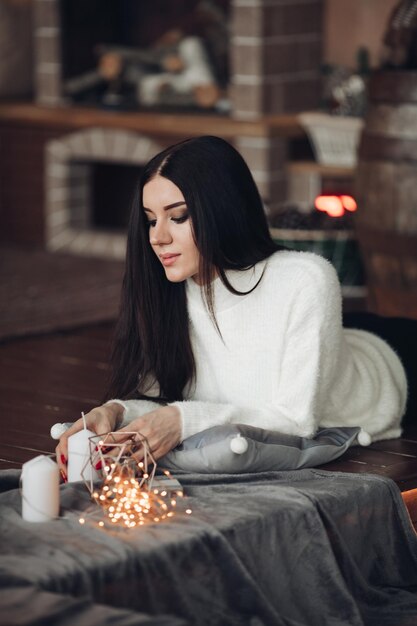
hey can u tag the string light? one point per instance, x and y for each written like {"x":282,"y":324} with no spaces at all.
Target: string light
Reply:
{"x":131,"y":494}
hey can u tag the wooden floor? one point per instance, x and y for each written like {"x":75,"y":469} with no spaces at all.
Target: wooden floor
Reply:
{"x":52,"y":378}
{"x":48,"y":379}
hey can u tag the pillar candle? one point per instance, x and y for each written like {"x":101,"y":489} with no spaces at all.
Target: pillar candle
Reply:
{"x":40,"y":489}
{"x":79,"y":457}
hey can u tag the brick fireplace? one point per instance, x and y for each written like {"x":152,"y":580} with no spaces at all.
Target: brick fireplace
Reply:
{"x":68,"y":221}
{"x":275,"y":50}
{"x":274,"y":59}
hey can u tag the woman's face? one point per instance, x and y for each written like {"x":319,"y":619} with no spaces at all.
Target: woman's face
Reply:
{"x":170,"y":229}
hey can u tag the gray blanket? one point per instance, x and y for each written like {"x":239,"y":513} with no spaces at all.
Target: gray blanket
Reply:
{"x":310,"y":548}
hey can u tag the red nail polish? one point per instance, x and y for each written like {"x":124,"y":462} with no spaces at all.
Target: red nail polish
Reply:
{"x":98,"y":465}
{"x":63,"y":476}
{"x":63,"y":459}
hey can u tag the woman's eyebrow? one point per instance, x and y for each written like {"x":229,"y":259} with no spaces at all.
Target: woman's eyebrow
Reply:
{"x":174,"y":205}
{"x":169,"y":206}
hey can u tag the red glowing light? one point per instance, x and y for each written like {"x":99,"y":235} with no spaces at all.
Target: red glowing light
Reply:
{"x":332,"y":205}
{"x":335,"y":206}
{"x":321,"y":203}
{"x":349,"y":203}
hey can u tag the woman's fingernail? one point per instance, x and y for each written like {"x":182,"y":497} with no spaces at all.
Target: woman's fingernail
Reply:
{"x":63,"y":459}
{"x":64,"y":476}
{"x":98,"y":465}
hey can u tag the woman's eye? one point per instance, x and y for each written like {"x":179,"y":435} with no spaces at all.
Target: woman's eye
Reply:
{"x":181,"y":219}
{"x":177,"y":220}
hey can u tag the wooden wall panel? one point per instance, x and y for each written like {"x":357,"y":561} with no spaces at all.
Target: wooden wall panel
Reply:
{"x":22,"y":183}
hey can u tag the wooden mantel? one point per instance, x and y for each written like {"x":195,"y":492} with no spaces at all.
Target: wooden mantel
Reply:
{"x":184,"y":123}
{"x":26,"y":128}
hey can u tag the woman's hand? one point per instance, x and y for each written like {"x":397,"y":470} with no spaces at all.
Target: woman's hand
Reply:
{"x":162,"y":429}
{"x":102,"y":419}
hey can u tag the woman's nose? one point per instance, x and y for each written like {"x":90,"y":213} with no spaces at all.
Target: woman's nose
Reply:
{"x":160,"y":234}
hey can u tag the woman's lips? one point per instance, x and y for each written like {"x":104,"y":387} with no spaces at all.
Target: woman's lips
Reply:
{"x":168,"y":259}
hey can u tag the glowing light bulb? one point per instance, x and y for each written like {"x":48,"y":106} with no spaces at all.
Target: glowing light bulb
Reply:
{"x":332,"y":205}
{"x":320,"y":203}
{"x":349,"y":203}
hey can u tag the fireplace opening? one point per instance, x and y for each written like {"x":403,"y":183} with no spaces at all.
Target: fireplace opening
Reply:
{"x":126,"y":54}
{"x":112,"y":190}
{"x":101,"y":195}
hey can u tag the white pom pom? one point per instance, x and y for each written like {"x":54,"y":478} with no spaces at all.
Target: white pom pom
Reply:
{"x":238,"y":444}
{"x":57,"y":430}
{"x":364,"y":438}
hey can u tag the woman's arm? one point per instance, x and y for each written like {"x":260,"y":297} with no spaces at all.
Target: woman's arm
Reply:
{"x":161,"y":427}
{"x":291,"y":411}
{"x":307,"y":359}
{"x":312,"y":338}
{"x":132,"y":409}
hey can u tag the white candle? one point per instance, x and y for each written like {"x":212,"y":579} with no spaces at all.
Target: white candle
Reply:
{"x":40,"y":489}
{"x":79,"y":457}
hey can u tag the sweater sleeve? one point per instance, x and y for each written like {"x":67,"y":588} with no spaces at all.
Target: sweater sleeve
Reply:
{"x":134,"y":408}
{"x":312,"y":340}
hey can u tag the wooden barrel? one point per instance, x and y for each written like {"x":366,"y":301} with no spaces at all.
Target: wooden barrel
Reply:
{"x":386,"y":193}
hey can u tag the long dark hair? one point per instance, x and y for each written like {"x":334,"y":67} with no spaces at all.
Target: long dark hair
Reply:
{"x":152,"y":340}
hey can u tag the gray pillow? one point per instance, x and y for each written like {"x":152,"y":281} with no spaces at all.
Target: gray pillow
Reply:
{"x":210,"y":450}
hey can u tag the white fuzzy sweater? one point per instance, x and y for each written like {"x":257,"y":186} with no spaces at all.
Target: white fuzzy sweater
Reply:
{"x":283,"y":361}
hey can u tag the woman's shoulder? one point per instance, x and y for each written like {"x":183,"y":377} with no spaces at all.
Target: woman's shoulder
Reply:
{"x":302,"y":267}
{"x":302,"y":281}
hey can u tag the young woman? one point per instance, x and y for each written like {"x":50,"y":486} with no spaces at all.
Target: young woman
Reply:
{"x":220,"y":325}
